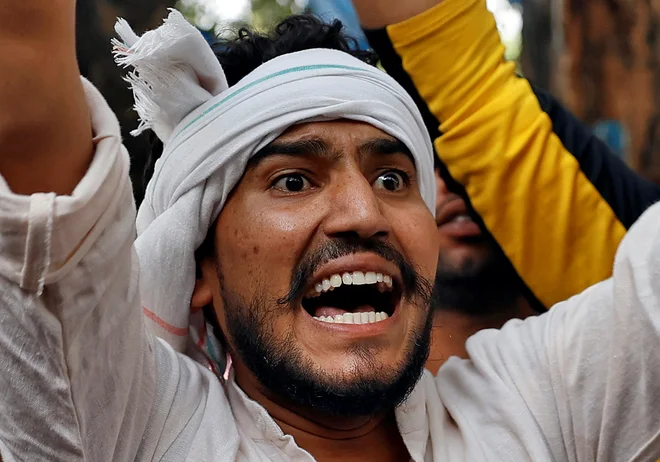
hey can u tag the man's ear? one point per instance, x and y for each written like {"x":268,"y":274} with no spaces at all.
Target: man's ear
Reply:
{"x":203,"y":293}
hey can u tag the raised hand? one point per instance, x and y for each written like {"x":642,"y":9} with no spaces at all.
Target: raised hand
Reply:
{"x":45,"y":130}
{"x":375,"y":14}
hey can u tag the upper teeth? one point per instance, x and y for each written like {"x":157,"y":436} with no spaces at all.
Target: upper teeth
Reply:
{"x":356,"y":278}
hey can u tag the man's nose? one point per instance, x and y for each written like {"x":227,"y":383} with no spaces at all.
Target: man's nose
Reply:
{"x":355,"y":210}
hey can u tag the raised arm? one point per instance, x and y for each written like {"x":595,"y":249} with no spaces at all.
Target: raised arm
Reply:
{"x":78,"y":371}
{"x":45,"y":129}
{"x":551,"y":194}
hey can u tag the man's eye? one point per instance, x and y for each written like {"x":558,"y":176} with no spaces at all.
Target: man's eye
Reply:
{"x":292,"y":182}
{"x":391,"y":181}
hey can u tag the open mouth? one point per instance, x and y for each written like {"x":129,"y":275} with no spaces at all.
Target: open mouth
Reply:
{"x":355,"y":297}
{"x":452,"y":211}
{"x":453,"y":219}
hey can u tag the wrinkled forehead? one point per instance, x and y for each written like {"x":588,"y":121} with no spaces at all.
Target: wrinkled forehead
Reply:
{"x":333,"y":140}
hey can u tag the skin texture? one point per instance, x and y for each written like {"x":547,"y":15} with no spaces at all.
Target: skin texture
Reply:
{"x":46,"y":137}
{"x":264,"y":232}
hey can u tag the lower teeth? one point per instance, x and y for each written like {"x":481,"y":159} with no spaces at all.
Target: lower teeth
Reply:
{"x":354,"y":318}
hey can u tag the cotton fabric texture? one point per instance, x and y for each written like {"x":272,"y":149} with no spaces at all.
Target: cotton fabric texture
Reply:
{"x":211,"y":131}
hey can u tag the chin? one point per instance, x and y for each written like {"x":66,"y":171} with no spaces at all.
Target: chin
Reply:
{"x":356,"y":378}
{"x":366,"y":359}
{"x":464,"y":261}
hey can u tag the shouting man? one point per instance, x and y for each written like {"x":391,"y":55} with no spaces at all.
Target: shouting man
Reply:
{"x":285,"y":256}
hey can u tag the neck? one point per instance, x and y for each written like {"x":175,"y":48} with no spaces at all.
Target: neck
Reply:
{"x":452,"y":328}
{"x":328,"y":438}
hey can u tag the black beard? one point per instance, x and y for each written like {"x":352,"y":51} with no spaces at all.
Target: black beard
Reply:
{"x":478,"y":288}
{"x":282,"y":369}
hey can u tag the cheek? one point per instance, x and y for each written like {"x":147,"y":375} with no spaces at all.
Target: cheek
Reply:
{"x":416,"y":232}
{"x":259,"y":246}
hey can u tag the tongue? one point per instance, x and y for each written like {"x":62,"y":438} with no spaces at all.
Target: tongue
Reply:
{"x":333,"y":311}
{"x":328,"y":311}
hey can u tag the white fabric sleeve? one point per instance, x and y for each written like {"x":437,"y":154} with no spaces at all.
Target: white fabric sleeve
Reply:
{"x":78,"y":373}
{"x":585,"y":375}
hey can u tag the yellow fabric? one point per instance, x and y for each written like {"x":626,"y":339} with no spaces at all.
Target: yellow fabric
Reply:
{"x":552,"y":223}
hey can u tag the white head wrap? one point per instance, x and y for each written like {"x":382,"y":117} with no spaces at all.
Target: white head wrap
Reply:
{"x":210,"y":132}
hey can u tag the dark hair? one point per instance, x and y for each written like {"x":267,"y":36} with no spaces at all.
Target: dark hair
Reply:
{"x":246,"y":49}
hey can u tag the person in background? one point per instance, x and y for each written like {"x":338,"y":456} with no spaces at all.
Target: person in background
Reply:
{"x":476,"y":285}
{"x":531,"y":205}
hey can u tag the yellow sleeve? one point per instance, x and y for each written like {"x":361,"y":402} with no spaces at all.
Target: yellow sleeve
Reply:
{"x":550,"y":220}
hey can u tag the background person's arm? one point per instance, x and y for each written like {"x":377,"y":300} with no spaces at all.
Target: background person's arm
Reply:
{"x":45,"y":130}
{"x":551,"y":194}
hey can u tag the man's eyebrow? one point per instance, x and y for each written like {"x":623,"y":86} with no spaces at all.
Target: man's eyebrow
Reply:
{"x":384,"y":146}
{"x":314,"y":147}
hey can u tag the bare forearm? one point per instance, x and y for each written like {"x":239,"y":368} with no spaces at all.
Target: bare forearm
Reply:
{"x":375,"y":14}
{"x":45,"y":130}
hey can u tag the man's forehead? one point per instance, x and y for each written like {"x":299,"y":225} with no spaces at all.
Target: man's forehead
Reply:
{"x":340,"y":128}
{"x":331,"y":138}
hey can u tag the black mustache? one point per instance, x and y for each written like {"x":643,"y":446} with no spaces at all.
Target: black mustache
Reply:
{"x":413,"y":283}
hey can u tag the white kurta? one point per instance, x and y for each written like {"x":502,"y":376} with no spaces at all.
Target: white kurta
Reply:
{"x":83,"y":380}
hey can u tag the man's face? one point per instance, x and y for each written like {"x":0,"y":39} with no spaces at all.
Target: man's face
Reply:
{"x":325,"y":253}
{"x":464,"y":251}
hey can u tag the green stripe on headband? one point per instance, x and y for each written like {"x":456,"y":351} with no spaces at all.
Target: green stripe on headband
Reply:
{"x":263,"y":79}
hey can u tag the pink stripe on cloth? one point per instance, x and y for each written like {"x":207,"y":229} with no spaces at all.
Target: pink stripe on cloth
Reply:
{"x":227,"y":368}
{"x":180,"y":331}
